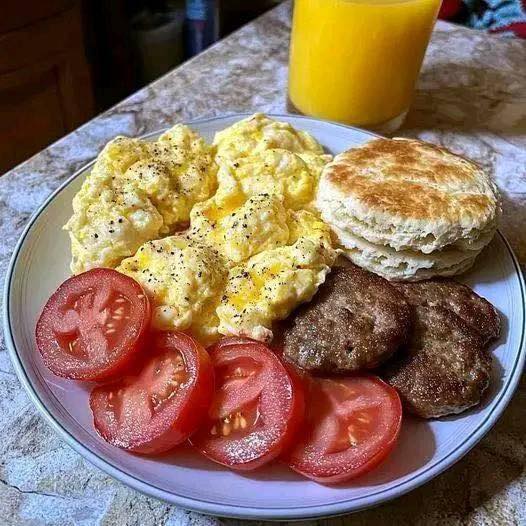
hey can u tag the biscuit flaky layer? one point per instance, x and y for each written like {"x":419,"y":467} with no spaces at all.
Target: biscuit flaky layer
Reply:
{"x":409,"y":195}
{"x":404,"y":265}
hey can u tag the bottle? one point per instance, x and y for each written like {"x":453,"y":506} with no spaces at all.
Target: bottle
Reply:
{"x":202,"y":25}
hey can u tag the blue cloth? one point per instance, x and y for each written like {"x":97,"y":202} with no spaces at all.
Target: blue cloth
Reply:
{"x":506,"y":16}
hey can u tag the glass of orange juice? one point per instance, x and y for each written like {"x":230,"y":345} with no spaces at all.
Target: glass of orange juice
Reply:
{"x":357,"y":61}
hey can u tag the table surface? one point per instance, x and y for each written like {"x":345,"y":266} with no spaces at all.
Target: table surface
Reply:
{"x":471,"y":98}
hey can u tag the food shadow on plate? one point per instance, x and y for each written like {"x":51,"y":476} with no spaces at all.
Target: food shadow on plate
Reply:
{"x":481,"y":272}
{"x":415,"y":448}
{"x":186,"y":456}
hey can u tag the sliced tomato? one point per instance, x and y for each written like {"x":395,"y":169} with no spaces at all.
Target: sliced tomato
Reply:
{"x":163,"y":405}
{"x":351,"y":426}
{"x":257,"y":410}
{"x":93,"y":326}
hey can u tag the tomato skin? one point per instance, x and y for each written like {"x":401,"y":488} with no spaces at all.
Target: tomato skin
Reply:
{"x":124,"y":352}
{"x":217,"y":448}
{"x":316,"y":465}
{"x":183,"y":414}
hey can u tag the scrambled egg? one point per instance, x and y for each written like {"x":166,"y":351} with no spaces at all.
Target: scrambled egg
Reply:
{"x":272,"y":283}
{"x":258,"y":133}
{"x":138,"y":191}
{"x":276,"y":171}
{"x":239,"y":232}
{"x":185,"y":278}
{"x":196,"y":286}
{"x":253,"y":251}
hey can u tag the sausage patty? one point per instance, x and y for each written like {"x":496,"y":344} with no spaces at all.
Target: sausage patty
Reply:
{"x":477,"y":312}
{"x":445,"y":367}
{"x":355,"y":321}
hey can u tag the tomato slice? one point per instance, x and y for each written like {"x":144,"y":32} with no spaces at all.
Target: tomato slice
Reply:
{"x":93,"y":326}
{"x":163,"y":405}
{"x":257,"y":410}
{"x":351,"y":425}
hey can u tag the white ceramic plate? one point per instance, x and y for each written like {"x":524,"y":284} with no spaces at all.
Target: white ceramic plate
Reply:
{"x":40,"y":264}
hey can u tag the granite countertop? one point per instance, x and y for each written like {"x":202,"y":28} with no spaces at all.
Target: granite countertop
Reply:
{"x":471,"y":98}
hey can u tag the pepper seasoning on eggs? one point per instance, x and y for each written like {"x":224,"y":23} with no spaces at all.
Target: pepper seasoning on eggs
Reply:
{"x":255,"y":248}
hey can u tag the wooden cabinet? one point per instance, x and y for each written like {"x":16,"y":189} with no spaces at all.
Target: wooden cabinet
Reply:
{"x":45,"y":84}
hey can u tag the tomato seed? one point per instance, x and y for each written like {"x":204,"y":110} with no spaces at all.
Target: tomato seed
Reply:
{"x":213,"y":431}
{"x":363,"y":419}
{"x":110,"y":331}
{"x":226,"y":429}
{"x":352,"y":438}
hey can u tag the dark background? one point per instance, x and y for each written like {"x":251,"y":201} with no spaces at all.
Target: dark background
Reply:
{"x":64,"y":61}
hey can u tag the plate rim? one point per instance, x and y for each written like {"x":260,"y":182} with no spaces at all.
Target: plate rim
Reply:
{"x":251,"y":512}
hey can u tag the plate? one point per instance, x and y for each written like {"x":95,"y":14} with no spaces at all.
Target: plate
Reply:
{"x":40,"y":263}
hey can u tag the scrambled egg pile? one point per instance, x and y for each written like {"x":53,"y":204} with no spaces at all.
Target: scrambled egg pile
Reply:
{"x":293,"y":177}
{"x":259,"y":133}
{"x":254,"y":250}
{"x":185,"y":278}
{"x":270,"y":284}
{"x":138,"y":191}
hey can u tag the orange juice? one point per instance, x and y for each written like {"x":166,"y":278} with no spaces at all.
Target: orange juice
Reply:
{"x":357,"y":61}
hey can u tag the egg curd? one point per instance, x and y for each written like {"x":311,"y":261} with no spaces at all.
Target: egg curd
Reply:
{"x":185,"y":278}
{"x":254,"y":249}
{"x":239,"y":232}
{"x":275,"y":171}
{"x":269,"y":285}
{"x":258,"y":133}
{"x":138,"y":191}
{"x":237,"y":275}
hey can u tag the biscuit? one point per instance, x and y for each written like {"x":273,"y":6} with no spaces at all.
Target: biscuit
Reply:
{"x":404,"y":265}
{"x":408,"y":195}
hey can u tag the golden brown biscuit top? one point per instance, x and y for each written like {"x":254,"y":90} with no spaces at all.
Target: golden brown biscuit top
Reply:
{"x":412,"y":179}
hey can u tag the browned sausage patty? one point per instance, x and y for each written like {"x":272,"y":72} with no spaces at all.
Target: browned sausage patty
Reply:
{"x":355,"y":321}
{"x":445,"y":367}
{"x":476,"y":312}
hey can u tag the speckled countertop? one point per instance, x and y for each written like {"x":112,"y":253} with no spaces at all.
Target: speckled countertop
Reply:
{"x":471,"y":98}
